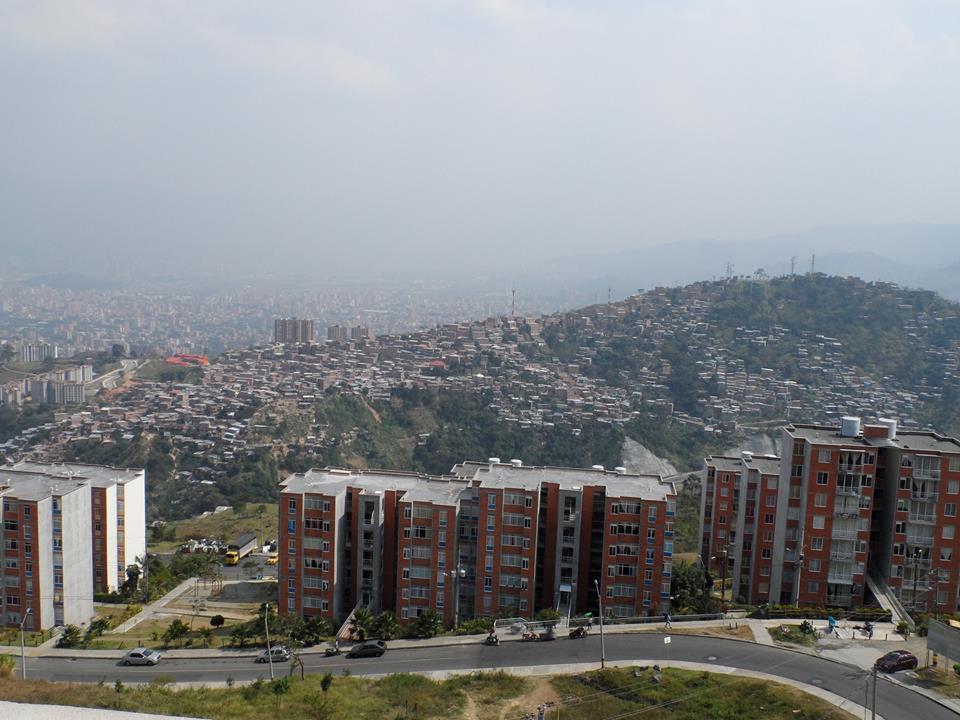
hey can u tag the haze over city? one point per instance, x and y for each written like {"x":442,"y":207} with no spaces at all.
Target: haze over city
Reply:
{"x":484,"y":136}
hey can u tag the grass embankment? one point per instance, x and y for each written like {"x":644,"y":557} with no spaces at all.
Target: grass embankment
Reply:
{"x":391,"y":698}
{"x":259,"y":518}
{"x":673,"y":695}
{"x":161,"y":370}
{"x":942,"y":680}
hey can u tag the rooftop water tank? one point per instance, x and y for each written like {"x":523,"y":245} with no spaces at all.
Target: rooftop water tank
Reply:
{"x":516,"y":463}
{"x":849,"y":426}
{"x":891,"y":426}
{"x":746,"y":456}
{"x":620,"y":470}
{"x":596,"y":467}
{"x":493,"y":461}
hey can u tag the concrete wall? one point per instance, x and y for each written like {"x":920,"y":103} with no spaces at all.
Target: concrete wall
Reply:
{"x":77,"y":560}
{"x":135,"y":526}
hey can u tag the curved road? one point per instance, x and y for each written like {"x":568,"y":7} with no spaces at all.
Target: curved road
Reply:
{"x":893,"y":702}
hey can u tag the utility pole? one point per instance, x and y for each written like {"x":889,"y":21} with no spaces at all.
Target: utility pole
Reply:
{"x":603,"y":649}
{"x":266,"y":634}
{"x":799,"y":568}
{"x":23,"y":662}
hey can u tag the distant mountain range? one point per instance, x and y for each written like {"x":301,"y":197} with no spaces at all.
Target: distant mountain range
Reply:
{"x":913,"y":255}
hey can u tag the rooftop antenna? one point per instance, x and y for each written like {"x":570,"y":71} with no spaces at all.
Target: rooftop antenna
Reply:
{"x":608,"y":295}
{"x":813,"y":263}
{"x":729,"y":270}
{"x":513,"y":302}
{"x":793,"y":266}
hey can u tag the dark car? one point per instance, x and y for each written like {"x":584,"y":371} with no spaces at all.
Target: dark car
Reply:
{"x":369,"y":648}
{"x":896,"y":660}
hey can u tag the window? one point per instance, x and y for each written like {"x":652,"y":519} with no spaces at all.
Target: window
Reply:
{"x":766,"y":553}
{"x":823,"y":478}
{"x":950,"y":510}
{"x":823,"y":455}
{"x":771,"y":483}
{"x":797,"y":471}
{"x":813,"y":587}
{"x":954,"y":465}
{"x":795,"y":492}
{"x":953,"y":487}
{"x":724,"y":491}
{"x":768,"y":519}
{"x":813,"y":565}
{"x":768,"y":536}
{"x":948,"y":532}
{"x":819,"y":522}
{"x":816,"y":543}
{"x":820,"y":500}
{"x":291,"y":506}
{"x":898,"y":549}
{"x":764,"y":571}
{"x":771,"y":501}
{"x":291,"y":526}
{"x":946,"y":554}
{"x":651,"y":534}
{"x":491,"y":502}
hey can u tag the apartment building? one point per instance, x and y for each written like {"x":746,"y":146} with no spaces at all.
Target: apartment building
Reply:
{"x":45,"y":553}
{"x":118,"y":515}
{"x":857,"y":508}
{"x":293,"y":330}
{"x":489,"y":539}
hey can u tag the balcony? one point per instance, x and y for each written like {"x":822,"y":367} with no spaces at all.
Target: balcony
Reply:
{"x":839,"y":600}
{"x":843,"y":534}
{"x":569,"y":517}
{"x":841,"y":554}
{"x":924,"y":474}
{"x":841,"y":577}
{"x":848,"y":490}
{"x":923,"y":519}
{"x":850,"y":467}
{"x":921,"y":540}
{"x":925,"y":495}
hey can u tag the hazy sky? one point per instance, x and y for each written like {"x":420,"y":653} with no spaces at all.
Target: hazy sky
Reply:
{"x":480,"y":131}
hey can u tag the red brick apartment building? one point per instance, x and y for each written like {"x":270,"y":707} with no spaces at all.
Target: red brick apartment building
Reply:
{"x":491,"y":538}
{"x":856,"y":511}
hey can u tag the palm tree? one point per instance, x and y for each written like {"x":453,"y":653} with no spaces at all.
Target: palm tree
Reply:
{"x":361,"y":624}
{"x":386,"y":626}
{"x":240,"y":634}
{"x":206,"y":635}
{"x":429,"y":624}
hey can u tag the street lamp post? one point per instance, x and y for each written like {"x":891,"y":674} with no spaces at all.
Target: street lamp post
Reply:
{"x":603,"y":650}
{"x":23,"y":663}
{"x":266,"y":635}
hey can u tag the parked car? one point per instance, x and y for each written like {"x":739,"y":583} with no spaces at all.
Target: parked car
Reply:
{"x":141,"y":656}
{"x":278,"y":653}
{"x":896,"y":660}
{"x":368,"y":648}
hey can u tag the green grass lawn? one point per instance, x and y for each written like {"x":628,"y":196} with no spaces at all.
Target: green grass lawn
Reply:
{"x":793,"y":635}
{"x":672,"y":695}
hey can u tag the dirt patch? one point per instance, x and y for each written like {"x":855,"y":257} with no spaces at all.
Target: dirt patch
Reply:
{"x":742,"y":632}
{"x":541,"y":693}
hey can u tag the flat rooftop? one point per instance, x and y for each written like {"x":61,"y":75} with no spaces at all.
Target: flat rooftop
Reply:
{"x":922,"y":441}
{"x":530,"y":477}
{"x":36,"y":486}
{"x":98,"y":475}
{"x":333,"y":481}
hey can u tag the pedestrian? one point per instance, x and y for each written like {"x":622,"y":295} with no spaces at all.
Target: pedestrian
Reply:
{"x":666,"y":621}
{"x":541,"y":712}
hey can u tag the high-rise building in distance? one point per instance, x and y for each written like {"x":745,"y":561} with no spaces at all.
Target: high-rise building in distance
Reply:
{"x":293,"y":331}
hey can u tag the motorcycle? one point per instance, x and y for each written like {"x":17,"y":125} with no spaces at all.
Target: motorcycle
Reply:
{"x":331,"y":652}
{"x":491,"y":640}
{"x":529,"y":637}
{"x":578,"y":633}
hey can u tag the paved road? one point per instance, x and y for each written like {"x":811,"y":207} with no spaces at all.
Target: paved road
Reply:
{"x":893,"y":702}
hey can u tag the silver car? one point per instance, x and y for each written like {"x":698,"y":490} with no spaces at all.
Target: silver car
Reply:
{"x":141,"y":656}
{"x":277,"y":653}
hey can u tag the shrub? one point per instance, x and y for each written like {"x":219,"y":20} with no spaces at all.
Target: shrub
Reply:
{"x":7,"y":663}
{"x":903,"y":628}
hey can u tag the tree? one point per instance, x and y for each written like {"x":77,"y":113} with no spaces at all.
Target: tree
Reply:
{"x":116,"y":350}
{"x":361,"y":624}
{"x":69,"y":638}
{"x":240,"y":634}
{"x":217,"y":621}
{"x":176,"y":631}
{"x":386,"y":626}
{"x":280,"y":687}
{"x":428,"y":625}
{"x":690,"y":586}
{"x":206,"y":636}
{"x":129,"y":586}
{"x":7,"y":352}
{"x":48,"y":364}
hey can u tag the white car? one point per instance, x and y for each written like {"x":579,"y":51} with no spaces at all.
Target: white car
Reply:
{"x":141,"y":656}
{"x":278,"y":653}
